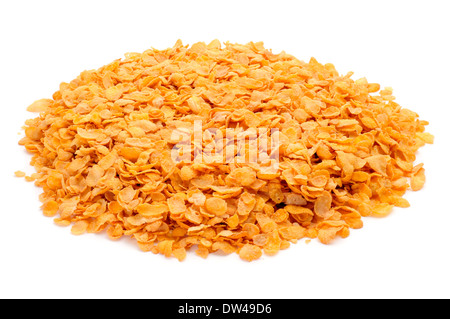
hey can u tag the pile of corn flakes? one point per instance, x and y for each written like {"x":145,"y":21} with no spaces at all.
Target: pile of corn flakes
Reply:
{"x":103,"y":150}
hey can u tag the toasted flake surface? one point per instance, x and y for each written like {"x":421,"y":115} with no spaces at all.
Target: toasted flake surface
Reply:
{"x":115,"y":150}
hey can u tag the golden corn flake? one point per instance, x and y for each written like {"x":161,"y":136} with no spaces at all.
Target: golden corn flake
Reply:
{"x":19,"y":174}
{"x":418,"y":179}
{"x":250,"y":252}
{"x":153,"y":209}
{"x":217,"y":206}
{"x":229,"y":148}
{"x":40,"y":105}
{"x":80,"y":227}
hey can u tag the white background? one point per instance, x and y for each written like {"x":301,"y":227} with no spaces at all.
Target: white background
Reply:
{"x":401,"y":44}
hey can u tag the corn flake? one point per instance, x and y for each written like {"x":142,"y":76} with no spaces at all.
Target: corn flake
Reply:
{"x":286,"y":150}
